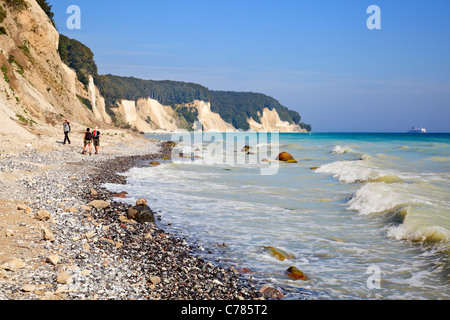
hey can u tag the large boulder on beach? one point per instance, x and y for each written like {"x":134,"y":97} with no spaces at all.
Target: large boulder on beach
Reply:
{"x":141,"y":212}
{"x":286,"y":157}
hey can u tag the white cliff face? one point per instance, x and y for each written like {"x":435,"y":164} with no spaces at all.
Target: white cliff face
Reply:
{"x":148,"y":115}
{"x":127,"y":110}
{"x":98,"y":103}
{"x":42,"y":36}
{"x":160,"y":117}
{"x":270,"y":120}
{"x":211,"y":121}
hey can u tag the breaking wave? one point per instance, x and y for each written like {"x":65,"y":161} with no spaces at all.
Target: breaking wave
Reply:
{"x":412,"y":211}
{"x":358,"y":171}
{"x":415,"y":205}
{"x":341,"y":149}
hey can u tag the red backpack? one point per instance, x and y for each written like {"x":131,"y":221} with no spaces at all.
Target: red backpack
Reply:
{"x":96,"y":134}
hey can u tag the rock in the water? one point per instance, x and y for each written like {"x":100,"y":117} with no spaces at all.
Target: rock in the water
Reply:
{"x":295,"y":274}
{"x":286,"y":157}
{"x":279,"y":254}
{"x":154,"y":163}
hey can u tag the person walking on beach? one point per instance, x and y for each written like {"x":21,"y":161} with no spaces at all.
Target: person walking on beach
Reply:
{"x":66,"y":126}
{"x":87,"y":141}
{"x":96,"y":139}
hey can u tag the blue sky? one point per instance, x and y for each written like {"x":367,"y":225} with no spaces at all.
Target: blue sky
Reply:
{"x":316,"y":57}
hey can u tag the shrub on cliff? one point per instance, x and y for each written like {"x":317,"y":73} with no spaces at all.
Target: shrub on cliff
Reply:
{"x":47,"y":9}
{"x":17,"y":4}
{"x":2,"y":14}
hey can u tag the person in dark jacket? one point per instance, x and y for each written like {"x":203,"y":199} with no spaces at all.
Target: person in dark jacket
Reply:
{"x":66,"y":126}
{"x":87,"y":141}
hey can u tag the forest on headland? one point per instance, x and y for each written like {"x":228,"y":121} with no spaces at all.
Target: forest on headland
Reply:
{"x":234,"y":107}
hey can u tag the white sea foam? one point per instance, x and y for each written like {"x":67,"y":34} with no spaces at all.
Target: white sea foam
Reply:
{"x":375,"y":198}
{"x":417,"y":232}
{"x":358,"y":171}
{"x":422,"y":215}
{"x":341,"y":149}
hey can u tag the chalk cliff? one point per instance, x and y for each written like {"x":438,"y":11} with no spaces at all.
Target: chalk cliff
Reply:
{"x":159,"y":117}
{"x":210,"y":121}
{"x":38,"y":90}
{"x":270,"y":120}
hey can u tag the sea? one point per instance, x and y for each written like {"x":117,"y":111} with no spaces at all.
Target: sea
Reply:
{"x":362,"y":215}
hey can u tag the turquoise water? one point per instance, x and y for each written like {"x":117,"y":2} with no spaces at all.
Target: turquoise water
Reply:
{"x":366,"y":216}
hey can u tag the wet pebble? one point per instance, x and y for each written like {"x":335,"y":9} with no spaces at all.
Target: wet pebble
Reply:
{"x":103,"y":255}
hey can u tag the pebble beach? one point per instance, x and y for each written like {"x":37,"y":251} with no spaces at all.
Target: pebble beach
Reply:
{"x":64,"y":237}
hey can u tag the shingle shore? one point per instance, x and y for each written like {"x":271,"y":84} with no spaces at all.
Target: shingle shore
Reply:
{"x":97,"y":253}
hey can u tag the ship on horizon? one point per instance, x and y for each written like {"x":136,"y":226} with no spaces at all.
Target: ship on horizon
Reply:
{"x":417,"y":130}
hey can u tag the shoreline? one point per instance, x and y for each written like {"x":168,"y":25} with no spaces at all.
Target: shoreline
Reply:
{"x":79,"y":252}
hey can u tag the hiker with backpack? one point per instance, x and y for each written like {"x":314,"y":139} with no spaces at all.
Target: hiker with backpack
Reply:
{"x":66,"y":126}
{"x":96,"y":139}
{"x":87,"y":141}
